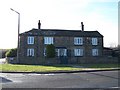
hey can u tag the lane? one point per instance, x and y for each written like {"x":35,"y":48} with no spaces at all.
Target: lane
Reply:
{"x":107,"y":79}
{"x":107,"y":74}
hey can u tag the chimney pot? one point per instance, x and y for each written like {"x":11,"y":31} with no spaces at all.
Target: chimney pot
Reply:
{"x":39,"y":25}
{"x":82,"y":26}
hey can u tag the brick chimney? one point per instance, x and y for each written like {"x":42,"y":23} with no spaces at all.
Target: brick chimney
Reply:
{"x":39,"y":25}
{"x":82,"y":26}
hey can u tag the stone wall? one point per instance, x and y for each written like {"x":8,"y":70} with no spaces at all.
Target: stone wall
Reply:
{"x":73,"y":60}
{"x":44,"y":61}
{"x":93,"y":60}
{"x":59,"y":41}
{"x":12,"y":60}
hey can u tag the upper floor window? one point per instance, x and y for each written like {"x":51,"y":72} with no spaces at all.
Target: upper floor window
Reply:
{"x":94,"y":52}
{"x":94,"y":41}
{"x":78,"y":40}
{"x":78,"y":52}
{"x":30,"y":40}
{"x":30,"y":52}
{"x":48,"y":40}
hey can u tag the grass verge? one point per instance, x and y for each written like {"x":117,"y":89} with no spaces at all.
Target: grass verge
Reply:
{"x":43,"y":68}
{"x":35,"y":68}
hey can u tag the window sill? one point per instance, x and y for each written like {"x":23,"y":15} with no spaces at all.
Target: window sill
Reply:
{"x":78,"y":56}
{"x":30,"y":44}
{"x":78,"y":44}
{"x":30,"y":56}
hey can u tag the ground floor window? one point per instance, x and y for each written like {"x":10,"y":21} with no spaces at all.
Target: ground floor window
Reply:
{"x":30,"y":52}
{"x":78,"y":52}
{"x":44,"y":53}
{"x":61,"y":52}
{"x":94,"y":52}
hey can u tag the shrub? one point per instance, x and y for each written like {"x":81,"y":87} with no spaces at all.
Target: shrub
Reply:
{"x":50,"y":51}
{"x":3,"y":54}
{"x":11,"y":53}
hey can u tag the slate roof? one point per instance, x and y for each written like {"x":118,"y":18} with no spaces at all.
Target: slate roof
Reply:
{"x":60,"y":32}
{"x":106,"y":48}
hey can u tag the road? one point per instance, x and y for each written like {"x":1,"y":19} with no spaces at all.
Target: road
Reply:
{"x":103,"y":79}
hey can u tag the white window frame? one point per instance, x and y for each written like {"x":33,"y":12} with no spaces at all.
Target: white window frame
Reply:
{"x":30,"y":52}
{"x":94,"y":41}
{"x":78,"y":40}
{"x":78,"y":52}
{"x":95,"y":52}
{"x":30,"y":40}
{"x":58,"y":52}
{"x":65,"y":52}
{"x":61,"y":52}
{"x":44,"y":51}
{"x":48,"y":40}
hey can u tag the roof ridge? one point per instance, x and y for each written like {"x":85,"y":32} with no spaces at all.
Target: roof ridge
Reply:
{"x":62,"y":32}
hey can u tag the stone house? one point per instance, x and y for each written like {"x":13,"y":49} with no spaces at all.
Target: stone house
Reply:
{"x":71,"y":45}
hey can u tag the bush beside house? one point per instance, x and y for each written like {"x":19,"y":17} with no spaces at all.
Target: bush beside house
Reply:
{"x":11,"y":55}
{"x":3,"y":52}
{"x":50,"y":51}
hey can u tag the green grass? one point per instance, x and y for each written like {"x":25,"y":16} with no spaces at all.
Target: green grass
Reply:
{"x":41,"y":68}
{"x":34,"y":68}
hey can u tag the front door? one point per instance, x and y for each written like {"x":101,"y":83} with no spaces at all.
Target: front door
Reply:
{"x":62,"y":54}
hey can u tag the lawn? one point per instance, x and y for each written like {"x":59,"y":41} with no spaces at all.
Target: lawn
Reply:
{"x":43,"y":68}
{"x":35,"y":68}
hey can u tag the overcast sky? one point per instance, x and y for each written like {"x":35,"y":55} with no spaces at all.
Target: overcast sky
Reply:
{"x":100,"y":15}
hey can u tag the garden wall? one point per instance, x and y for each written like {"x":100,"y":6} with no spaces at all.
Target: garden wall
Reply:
{"x":72,"y":60}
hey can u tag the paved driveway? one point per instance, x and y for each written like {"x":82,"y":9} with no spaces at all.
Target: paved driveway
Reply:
{"x":104,"y":79}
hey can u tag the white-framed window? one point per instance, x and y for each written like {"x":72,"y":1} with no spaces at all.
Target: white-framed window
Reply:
{"x":44,"y":51}
{"x":78,"y":52}
{"x":78,"y":40}
{"x":94,"y":41}
{"x":94,"y":52}
{"x":61,"y":52}
{"x":30,"y":40}
{"x":48,"y":40}
{"x":57,"y":52}
{"x":30,"y":52}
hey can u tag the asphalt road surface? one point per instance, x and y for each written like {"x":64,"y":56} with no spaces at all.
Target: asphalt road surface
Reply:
{"x":103,"y":79}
